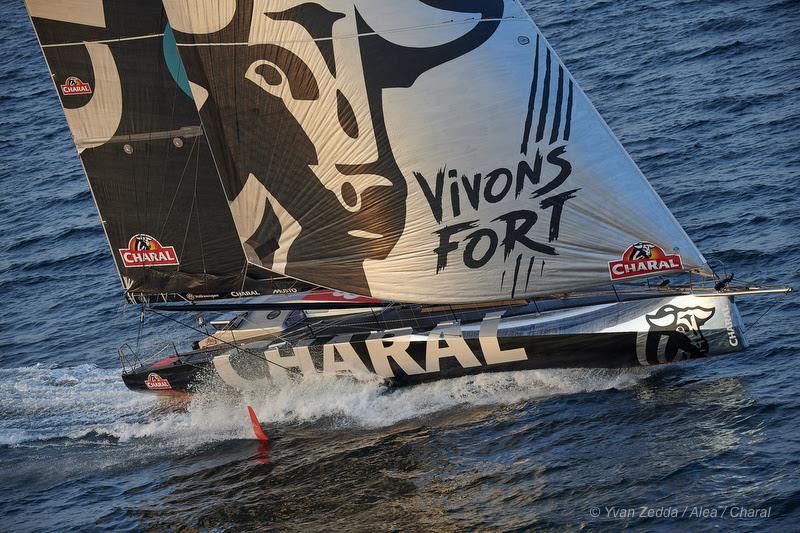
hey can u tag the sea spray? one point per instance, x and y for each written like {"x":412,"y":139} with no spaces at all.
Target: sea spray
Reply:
{"x":42,"y":403}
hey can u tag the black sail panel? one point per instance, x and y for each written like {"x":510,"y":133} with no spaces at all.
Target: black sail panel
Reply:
{"x":131,"y":112}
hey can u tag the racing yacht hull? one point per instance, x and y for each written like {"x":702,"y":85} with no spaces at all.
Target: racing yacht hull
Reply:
{"x":615,"y":335}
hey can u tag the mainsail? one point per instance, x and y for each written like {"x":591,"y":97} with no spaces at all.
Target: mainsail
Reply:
{"x":129,"y":106}
{"x":417,"y":151}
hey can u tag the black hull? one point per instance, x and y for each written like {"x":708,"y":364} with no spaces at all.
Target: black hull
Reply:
{"x":624,"y":335}
{"x":601,"y":350}
{"x":593,"y":350}
{"x":181,"y":377}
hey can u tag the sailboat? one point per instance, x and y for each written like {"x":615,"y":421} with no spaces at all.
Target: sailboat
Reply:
{"x":412,"y":190}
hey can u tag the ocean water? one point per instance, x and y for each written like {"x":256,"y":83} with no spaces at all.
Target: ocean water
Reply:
{"x":706,"y":98}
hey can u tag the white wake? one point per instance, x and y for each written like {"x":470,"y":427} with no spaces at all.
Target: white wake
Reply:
{"x":42,"y":405}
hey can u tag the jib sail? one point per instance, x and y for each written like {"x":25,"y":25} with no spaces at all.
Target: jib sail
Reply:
{"x":129,"y":106}
{"x":430,"y":151}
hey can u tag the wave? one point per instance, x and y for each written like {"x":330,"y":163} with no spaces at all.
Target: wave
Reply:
{"x":719,"y":49}
{"x":722,"y":24}
{"x":60,"y":237}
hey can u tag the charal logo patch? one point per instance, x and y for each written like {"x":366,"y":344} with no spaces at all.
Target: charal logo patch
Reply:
{"x":243,"y":294}
{"x":144,"y":250}
{"x":74,"y":85}
{"x":156,"y":382}
{"x":644,"y":258}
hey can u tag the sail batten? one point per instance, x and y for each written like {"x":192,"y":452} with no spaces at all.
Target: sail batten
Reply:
{"x":105,"y":41}
{"x":356,"y":35}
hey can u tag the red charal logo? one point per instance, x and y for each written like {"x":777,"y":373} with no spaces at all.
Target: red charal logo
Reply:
{"x":156,"y":382}
{"x":644,"y":258}
{"x":74,"y":85}
{"x":144,"y":250}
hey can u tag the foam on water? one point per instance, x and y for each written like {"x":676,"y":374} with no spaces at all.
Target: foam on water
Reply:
{"x":371,"y":405}
{"x":41,"y":404}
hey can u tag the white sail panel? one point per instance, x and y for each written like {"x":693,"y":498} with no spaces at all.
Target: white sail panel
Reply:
{"x":432,"y":151}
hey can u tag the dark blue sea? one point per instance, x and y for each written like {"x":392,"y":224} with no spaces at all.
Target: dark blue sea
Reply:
{"x":704,"y":94}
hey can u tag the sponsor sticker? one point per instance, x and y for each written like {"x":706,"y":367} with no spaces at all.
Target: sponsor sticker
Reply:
{"x":243,"y":294}
{"x":191,"y":296}
{"x":643,"y":258}
{"x":144,"y":250}
{"x":74,"y":85}
{"x":156,"y":382}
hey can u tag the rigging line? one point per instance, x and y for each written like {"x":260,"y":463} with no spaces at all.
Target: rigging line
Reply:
{"x":258,"y":356}
{"x":244,"y":275}
{"x":244,"y":321}
{"x":180,"y":182}
{"x":141,"y":326}
{"x":286,"y":338}
{"x":189,"y":219}
{"x":290,"y":337}
{"x":365,"y":34}
{"x":367,"y":326}
{"x":751,"y":326}
{"x":197,"y":213}
{"x":375,"y":317}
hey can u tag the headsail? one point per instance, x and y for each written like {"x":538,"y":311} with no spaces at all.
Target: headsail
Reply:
{"x":431,"y":151}
{"x":129,"y":106}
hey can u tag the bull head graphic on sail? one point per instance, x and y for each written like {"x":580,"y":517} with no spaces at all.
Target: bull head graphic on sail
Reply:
{"x":301,"y":105}
{"x":675,"y":334}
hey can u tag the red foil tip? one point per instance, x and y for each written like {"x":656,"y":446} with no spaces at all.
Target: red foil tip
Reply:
{"x":259,"y":433}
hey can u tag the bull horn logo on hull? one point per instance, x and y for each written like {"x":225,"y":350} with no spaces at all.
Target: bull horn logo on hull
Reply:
{"x":675,"y":335}
{"x":643,"y":258}
{"x":145,"y":251}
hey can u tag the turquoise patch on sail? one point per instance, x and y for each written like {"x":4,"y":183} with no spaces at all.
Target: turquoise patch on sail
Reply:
{"x":174,"y":63}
